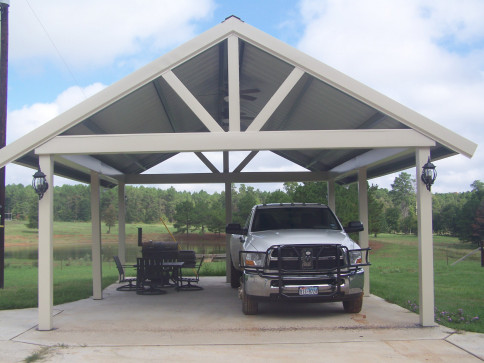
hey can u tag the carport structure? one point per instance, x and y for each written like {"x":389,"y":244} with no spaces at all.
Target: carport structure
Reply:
{"x":232,"y":88}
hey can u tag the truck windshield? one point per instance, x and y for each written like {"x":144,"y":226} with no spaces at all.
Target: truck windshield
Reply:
{"x":294,"y":218}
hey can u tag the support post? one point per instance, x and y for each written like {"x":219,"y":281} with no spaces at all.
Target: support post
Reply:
{"x":331,"y":195}
{"x":425,"y":243}
{"x":3,"y":126}
{"x":46,"y":249}
{"x":121,"y":223}
{"x":97,"y":293}
{"x":228,"y":216}
{"x":363,"y":213}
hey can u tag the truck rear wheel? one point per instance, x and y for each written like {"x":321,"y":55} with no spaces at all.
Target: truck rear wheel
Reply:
{"x":353,"y":306}
{"x":234,"y":276}
{"x":249,"y":305}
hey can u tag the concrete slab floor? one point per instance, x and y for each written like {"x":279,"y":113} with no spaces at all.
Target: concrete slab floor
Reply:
{"x":208,"y":325}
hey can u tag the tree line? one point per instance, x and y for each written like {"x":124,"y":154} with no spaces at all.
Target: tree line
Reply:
{"x":390,"y":211}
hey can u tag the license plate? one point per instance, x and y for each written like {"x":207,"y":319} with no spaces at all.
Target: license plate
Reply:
{"x":308,"y":290}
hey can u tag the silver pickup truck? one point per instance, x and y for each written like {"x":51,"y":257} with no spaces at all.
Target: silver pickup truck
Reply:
{"x":296,"y":252}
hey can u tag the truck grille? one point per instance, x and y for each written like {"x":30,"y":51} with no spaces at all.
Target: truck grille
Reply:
{"x":307,"y":257}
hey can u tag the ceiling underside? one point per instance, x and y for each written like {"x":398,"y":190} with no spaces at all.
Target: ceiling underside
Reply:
{"x":311,"y":104}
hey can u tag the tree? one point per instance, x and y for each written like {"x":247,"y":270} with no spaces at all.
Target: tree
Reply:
{"x":404,"y":199}
{"x":392,"y":217}
{"x":33,"y":216}
{"x":216,"y":213}
{"x":376,"y":216}
{"x":245,"y":200}
{"x":469,"y":212}
{"x":200,"y":208}
{"x":110,"y":217}
{"x":183,"y":216}
{"x":277,"y":196}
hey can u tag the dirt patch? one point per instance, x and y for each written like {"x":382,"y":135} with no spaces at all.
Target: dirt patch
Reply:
{"x":375,"y":246}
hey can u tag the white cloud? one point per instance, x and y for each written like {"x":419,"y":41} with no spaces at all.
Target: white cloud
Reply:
{"x":30,"y":117}
{"x":428,"y":55}
{"x":93,"y":33}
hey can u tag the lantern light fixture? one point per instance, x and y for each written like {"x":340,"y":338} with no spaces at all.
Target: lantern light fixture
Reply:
{"x":39,"y":183}
{"x":429,"y":174}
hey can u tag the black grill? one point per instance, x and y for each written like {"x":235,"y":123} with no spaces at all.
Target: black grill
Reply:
{"x":307,"y":257}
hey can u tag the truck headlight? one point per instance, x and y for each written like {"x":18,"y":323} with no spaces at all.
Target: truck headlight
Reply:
{"x":355,"y":257}
{"x":254,"y":259}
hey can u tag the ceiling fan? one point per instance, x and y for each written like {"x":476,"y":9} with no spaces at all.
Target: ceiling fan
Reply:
{"x":244,"y":94}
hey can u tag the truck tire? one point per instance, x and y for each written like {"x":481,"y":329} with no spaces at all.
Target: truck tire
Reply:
{"x":353,"y":306}
{"x":249,"y":305}
{"x":235,"y":276}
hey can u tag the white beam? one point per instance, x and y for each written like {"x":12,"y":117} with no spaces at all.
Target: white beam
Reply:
{"x":86,"y":164}
{"x":276,"y":100}
{"x":46,"y":249}
{"x":207,"y":162}
{"x":192,"y":102}
{"x":246,"y":161}
{"x":97,"y":292}
{"x":233,"y":141}
{"x":234,"y":83}
{"x":206,"y":178}
{"x":367,"y":159}
{"x":425,"y":243}
{"x":121,"y":223}
{"x":363,"y":213}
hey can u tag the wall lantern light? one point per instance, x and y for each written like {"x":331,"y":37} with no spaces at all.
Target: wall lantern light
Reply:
{"x":429,"y":174}
{"x":39,"y":183}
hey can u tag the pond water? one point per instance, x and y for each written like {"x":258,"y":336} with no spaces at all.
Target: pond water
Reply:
{"x":78,"y":251}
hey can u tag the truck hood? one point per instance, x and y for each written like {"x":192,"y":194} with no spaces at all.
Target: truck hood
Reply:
{"x":261,"y":241}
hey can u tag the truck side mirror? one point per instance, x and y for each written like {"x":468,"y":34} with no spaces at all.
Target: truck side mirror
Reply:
{"x":235,"y":228}
{"x":354,"y":226}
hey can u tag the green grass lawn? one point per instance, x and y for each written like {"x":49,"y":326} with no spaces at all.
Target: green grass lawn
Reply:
{"x":459,"y":289}
{"x":72,"y":281}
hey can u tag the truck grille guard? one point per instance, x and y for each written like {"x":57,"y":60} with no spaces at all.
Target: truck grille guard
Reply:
{"x":285,"y":261}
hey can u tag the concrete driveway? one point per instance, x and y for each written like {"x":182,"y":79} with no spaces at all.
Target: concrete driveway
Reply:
{"x":208,"y":325}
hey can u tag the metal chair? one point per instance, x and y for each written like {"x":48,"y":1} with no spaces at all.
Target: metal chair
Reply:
{"x":149,"y":277}
{"x":187,"y":283}
{"x":122,"y":277}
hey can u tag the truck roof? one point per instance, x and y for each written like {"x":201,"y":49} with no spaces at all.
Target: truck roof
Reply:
{"x":286,"y":205}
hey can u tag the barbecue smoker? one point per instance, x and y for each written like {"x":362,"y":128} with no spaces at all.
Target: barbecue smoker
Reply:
{"x":167,"y":251}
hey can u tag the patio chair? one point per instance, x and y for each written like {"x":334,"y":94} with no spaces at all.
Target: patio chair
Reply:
{"x":149,"y":276}
{"x":190,"y":283}
{"x":130,"y":286}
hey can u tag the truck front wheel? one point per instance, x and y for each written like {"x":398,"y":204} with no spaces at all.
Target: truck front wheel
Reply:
{"x":249,"y":305}
{"x":353,"y":306}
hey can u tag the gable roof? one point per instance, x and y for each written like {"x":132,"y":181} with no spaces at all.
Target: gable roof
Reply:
{"x":270,"y":90}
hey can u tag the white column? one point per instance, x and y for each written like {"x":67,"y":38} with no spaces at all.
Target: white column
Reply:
{"x":425,"y":243}
{"x":97,"y":293}
{"x":121,"y":223}
{"x":363,"y":212}
{"x":228,"y":216}
{"x":331,"y":195}
{"x":46,"y":250}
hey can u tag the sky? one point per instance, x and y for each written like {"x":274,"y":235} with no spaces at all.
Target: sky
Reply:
{"x":428,"y":55}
